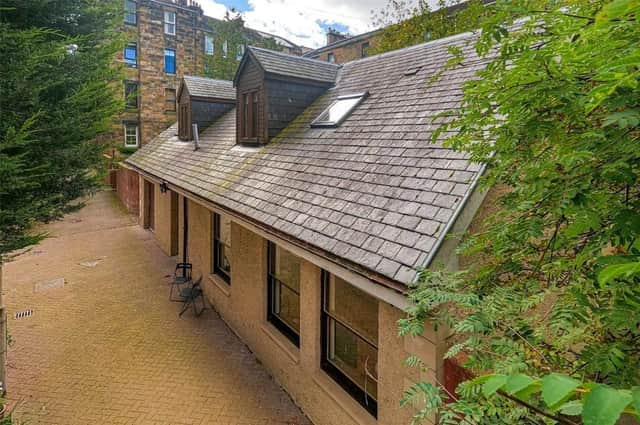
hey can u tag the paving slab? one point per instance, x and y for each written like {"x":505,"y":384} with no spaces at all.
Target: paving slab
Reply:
{"x":107,"y":346}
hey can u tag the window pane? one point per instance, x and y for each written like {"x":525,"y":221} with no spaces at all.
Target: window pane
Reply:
{"x":169,"y":61}
{"x":254,"y":115}
{"x":286,"y":305}
{"x":170,"y":22}
{"x":287,"y":268}
{"x":353,"y":356}
{"x":222,"y":246}
{"x":131,"y":94}
{"x":354,"y":308}
{"x":338,"y":110}
{"x":129,"y":12}
{"x":208,"y":45}
{"x":131,"y":55}
{"x":130,"y":135}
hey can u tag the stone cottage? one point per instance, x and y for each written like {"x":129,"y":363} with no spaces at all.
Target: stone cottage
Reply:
{"x":308,"y":200}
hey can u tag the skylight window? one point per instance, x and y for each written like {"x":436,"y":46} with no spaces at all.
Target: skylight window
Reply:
{"x":339,"y":110}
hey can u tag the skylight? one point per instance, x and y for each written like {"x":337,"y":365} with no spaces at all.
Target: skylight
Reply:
{"x":339,"y":110}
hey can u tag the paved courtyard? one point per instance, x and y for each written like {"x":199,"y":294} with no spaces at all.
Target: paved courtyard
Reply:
{"x":107,"y":347}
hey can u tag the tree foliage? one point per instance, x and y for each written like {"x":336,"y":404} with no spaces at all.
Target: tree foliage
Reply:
{"x":231,"y":33}
{"x":404,"y":25}
{"x":59,"y":92}
{"x":548,"y":311}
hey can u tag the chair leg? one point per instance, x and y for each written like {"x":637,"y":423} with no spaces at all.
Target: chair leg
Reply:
{"x":185,"y":306}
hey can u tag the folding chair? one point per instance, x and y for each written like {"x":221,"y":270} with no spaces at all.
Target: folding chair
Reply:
{"x":190,"y":295}
{"x":181,"y":277}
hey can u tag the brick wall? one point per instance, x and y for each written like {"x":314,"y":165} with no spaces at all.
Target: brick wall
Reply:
{"x":126,"y":185}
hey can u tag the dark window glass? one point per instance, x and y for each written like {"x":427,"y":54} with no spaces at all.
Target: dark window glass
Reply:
{"x":350,"y":340}
{"x":170,"y":100}
{"x":131,"y":55}
{"x":130,"y":12}
{"x":364,"y":49}
{"x":170,"y":61}
{"x":283,"y":309}
{"x":131,"y":94}
{"x":245,"y":115}
{"x":331,"y":58}
{"x":221,"y":264}
{"x":254,"y":115}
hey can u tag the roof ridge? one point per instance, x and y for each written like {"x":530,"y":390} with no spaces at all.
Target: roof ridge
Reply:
{"x":435,"y":42}
{"x":297,"y":57}
{"x":207,"y":78}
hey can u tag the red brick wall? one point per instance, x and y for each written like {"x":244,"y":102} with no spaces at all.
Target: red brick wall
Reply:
{"x":127,"y":189}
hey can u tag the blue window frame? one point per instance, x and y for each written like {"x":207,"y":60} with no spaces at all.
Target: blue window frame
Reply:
{"x":170,"y":61}
{"x":131,"y":54}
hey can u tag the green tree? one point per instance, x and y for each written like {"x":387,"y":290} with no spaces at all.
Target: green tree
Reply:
{"x":230,"y":39}
{"x":405,"y":25}
{"x":547,"y":313}
{"x":59,"y":92}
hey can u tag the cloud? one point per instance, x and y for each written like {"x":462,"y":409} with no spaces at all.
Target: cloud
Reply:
{"x":303,"y":22}
{"x":213,"y":8}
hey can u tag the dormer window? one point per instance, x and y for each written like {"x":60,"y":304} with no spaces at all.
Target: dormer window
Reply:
{"x":250,"y":115}
{"x":339,"y":110}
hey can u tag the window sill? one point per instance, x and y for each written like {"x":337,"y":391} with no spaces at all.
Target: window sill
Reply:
{"x":170,"y":112}
{"x":224,"y":287}
{"x":350,"y":406}
{"x":170,"y":74}
{"x":281,"y":341}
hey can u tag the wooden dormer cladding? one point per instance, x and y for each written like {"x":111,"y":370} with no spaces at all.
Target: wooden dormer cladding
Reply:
{"x":273,"y":89}
{"x":184,"y":116}
{"x":202,"y":101}
{"x":250,"y":111}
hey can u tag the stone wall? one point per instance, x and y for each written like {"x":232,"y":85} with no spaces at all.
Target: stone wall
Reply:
{"x":348,"y":50}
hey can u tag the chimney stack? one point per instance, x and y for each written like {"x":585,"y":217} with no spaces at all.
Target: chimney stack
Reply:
{"x":334,"y":35}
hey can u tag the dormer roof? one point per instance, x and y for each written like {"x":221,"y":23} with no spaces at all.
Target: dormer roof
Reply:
{"x":282,"y":64}
{"x":210,"y":88}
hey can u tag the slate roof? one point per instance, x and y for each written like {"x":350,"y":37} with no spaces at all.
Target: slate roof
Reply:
{"x":374,"y":193}
{"x":294,"y":66}
{"x":210,"y":87}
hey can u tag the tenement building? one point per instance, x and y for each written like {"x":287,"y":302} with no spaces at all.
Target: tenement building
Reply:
{"x":308,"y":197}
{"x":341,"y":48}
{"x":167,"y":39}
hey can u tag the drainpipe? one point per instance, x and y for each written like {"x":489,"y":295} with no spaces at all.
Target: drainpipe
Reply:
{"x":185,"y":233}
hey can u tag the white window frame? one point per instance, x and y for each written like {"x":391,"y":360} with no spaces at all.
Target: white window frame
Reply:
{"x":225,"y":48}
{"x":207,"y":52}
{"x":240,"y":52}
{"x":358,"y":97}
{"x":168,"y":23}
{"x":137,"y":143}
{"x":134,"y":13}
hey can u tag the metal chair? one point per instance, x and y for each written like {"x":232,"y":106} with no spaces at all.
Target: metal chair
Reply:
{"x":181,"y":277}
{"x":190,"y":295}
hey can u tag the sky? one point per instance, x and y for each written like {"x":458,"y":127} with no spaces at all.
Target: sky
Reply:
{"x":299,"y":21}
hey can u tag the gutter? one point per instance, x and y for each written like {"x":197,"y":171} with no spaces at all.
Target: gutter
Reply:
{"x":388,"y":290}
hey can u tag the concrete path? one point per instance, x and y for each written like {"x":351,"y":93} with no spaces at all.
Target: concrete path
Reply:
{"x":107,"y":347}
